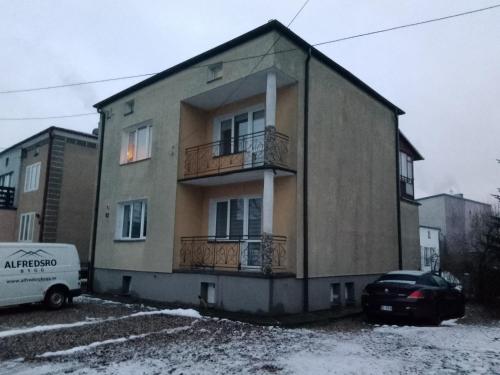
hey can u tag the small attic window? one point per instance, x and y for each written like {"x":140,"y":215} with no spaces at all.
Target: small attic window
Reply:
{"x":214,"y":72}
{"x":129,"y":107}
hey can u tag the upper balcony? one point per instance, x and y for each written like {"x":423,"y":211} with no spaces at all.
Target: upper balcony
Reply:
{"x":227,"y":139}
{"x":267,"y":149}
{"x":7,"y":197}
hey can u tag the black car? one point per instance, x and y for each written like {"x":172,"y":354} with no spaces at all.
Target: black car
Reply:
{"x":413,"y":294}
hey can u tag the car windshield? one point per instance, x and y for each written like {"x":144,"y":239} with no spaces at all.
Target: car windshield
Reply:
{"x":400,"y":278}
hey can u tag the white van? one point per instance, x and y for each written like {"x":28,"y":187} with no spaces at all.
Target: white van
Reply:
{"x":38,"y":272}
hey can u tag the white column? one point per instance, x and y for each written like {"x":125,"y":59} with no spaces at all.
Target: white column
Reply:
{"x":271,"y":99}
{"x":268,"y":194}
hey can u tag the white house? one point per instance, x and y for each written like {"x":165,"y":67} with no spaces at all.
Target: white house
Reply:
{"x":429,"y":248}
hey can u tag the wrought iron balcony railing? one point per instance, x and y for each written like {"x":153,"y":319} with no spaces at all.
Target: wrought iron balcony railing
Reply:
{"x":7,"y":197}
{"x":235,"y":253}
{"x":265,"y":148}
{"x":406,"y":187}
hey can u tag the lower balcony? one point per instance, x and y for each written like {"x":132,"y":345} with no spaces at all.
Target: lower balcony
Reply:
{"x":7,"y":197}
{"x":266,"y":254}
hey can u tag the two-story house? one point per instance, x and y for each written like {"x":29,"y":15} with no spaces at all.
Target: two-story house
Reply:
{"x":259,"y":176}
{"x":51,"y":179}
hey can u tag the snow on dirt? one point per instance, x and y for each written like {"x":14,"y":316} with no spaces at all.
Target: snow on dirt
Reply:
{"x":155,"y":342}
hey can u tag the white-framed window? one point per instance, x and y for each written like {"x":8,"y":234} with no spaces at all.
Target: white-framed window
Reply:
{"x":32,"y":177}
{"x":406,"y":172}
{"x":129,"y":107}
{"x":236,"y":218}
{"x":136,"y":144}
{"x":132,"y":220}
{"x":335,"y":294}
{"x":349,"y":296}
{"x":214,"y":72}
{"x":239,"y":132}
{"x":26,"y":227}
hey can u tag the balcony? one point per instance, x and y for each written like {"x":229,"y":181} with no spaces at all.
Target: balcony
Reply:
{"x":234,"y":254}
{"x":264,"y":149}
{"x":406,"y":187}
{"x":7,"y":197}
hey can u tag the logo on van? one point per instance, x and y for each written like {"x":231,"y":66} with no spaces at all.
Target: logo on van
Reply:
{"x":42,"y":259}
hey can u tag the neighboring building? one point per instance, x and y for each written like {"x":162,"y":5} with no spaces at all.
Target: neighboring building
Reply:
{"x":260,"y":185}
{"x":52,"y":178}
{"x":429,"y":248}
{"x":410,"y":242}
{"x":453,"y":215}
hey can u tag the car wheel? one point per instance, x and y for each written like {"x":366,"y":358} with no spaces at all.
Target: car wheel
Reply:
{"x":55,"y":298}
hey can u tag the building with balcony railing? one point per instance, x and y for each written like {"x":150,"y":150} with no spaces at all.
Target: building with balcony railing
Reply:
{"x":257,"y":184}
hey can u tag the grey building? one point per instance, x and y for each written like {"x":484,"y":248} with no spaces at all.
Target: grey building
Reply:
{"x":259,"y":176}
{"x":51,"y":188}
{"x":452,"y":214}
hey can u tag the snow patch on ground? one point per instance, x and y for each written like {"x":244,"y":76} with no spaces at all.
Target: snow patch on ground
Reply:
{"x":21,"y":331}
{"x":188,"y":313}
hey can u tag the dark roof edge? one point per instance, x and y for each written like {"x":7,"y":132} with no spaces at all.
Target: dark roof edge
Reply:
{"x":452,"y":196}
{"x":413,"y":148}
{"x":270,"y":26}
{"x":429,"y":227}
{"x":75,"y":132}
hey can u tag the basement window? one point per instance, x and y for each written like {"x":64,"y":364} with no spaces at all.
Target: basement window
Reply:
{"x":214,"y":72}
{"x":349,"y":294}
{"x":335,"y":294}
{"x":126,"y":281}
{"x":207,"y":293}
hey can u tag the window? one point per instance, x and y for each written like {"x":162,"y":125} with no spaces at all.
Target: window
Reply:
{"x":208,"y":293}
{"x":214,"y":72}
{"x":233,"y":219}
{"x":26,"y":226}
{"x":32,"y":177}
{"x":7,"y":162}
{"x":132,"y":220}
{"x":406,"y":173}
{"x":335,"y":294}
{"x":349,"y":294}
{"x":129,"y":107}
{"x":243,"y":132}
{"x":126,"y":281}
{"x":429,"y":234}
{"x":429,"y":254}
{"x":6,"y":180}
{"x":137,"y":144}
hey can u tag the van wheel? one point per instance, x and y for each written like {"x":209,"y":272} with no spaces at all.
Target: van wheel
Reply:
{"x":55,"y":298}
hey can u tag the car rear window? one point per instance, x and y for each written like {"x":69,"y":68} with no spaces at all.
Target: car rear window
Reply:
{"x":399,"y":279}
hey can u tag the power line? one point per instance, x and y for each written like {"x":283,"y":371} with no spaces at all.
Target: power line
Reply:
{"x":408,"y":25}
{"x":261,"y":55}
{"x":46,"y":117}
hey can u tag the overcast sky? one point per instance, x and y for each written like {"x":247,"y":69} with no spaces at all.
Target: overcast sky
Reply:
{"x":446,"y":75}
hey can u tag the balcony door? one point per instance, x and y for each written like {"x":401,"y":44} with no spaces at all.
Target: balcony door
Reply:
{"x":239,"y":219}
{"x":242,"y":132}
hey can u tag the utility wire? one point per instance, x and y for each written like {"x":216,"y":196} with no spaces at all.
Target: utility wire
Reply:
{"x":46,"y":117}
{"x":262,"y":56}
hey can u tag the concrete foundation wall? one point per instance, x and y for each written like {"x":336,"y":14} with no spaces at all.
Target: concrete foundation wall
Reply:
{"x":7,"y":225}
{"x":410,"y":239}
{"x":235,"y":293}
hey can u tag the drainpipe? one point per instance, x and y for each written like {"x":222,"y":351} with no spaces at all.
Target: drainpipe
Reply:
{"x":90,"y":282}
{"x":398,"y":190}
{"x":305,"y":192}
{"x":46,"y":185}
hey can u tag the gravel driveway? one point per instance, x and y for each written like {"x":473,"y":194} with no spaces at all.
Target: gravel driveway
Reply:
{"x":103,"y":337}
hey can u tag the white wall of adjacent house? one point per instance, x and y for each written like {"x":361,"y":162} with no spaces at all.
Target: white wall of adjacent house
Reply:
{"x":429,"y":248}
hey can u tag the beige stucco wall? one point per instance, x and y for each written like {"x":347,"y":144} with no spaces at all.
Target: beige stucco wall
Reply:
{"x":156,"y":178}
{"x":410,"y":237}
{"x":7,"y":225}
{"x":352,"y":179}
{"x":32,"y":201}
{"x":76,"y":203}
